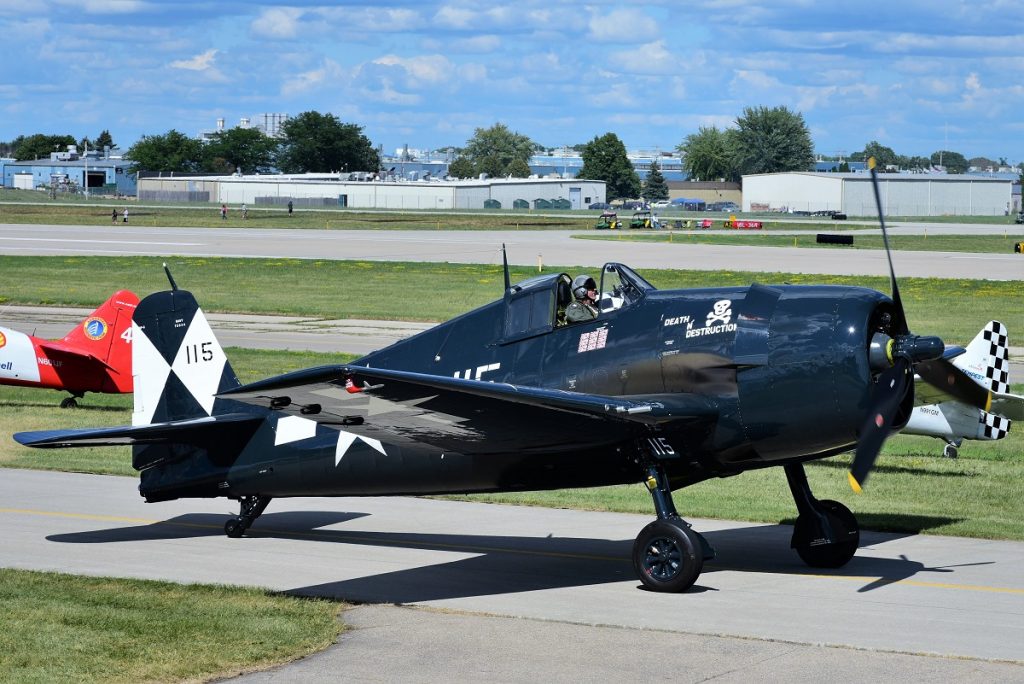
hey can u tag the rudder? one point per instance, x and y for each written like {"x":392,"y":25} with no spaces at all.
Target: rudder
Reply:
{"x":987,"y":358}
{"x":105,"y":334}
{"x":178,"y":364}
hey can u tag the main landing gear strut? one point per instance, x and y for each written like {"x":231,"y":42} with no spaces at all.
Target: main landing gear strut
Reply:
{"x":668,"y":554}
{"x":251,"y":508}
{"x":826,"y":534}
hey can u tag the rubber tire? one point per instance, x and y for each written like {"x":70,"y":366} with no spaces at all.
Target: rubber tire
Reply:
{"x":667,"y":556}
{"x":234,"y":528}
{"x":68,"y":402}
{"x":950,"y":451}
{"x":831,"y":555}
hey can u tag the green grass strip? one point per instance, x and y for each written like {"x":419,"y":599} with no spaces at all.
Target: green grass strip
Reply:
{"x":955,"y":309}
{"x":64,"y":628}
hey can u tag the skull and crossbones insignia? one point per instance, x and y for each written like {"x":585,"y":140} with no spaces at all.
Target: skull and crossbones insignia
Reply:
{"x":721,"y":313}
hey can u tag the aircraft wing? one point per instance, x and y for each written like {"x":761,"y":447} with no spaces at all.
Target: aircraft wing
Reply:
{"x":61,"y":348}
{"x":193,"y":431}
{"x":467,"y":416}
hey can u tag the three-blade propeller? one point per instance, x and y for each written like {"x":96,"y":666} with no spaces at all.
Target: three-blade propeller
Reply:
{"x":905,"y":355}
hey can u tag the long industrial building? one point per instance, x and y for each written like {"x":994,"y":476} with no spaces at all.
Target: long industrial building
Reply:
{"x":363,"y":192}
{"x":901,"y":194}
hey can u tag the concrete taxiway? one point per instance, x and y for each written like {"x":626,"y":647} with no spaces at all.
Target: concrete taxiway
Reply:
{"x":924,"y":595}
{"x":524,"y":248}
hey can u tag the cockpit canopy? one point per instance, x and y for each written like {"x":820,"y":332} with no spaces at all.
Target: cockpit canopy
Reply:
{"x":537,"y":305}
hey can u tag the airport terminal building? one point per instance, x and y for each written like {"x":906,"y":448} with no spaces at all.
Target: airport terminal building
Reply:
{"x":363,"y":191}
{"x":919,"y":194}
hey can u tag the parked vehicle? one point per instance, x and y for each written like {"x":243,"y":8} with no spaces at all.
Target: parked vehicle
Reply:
{"x":599,"y":205}
{"x":608,"y":220}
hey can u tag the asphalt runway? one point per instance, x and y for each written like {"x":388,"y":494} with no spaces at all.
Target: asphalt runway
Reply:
{"x":959,"y":601}
{"x":524,"y":248}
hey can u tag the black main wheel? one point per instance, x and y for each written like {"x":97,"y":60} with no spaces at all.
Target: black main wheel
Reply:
{"x":667,"y":556}
{"x":68,"y":402}
{"x":839,"y":552}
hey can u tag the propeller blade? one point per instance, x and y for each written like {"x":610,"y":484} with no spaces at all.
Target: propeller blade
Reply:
{"x":900,"y":323}
{"x":942,"y":374}
{"x":891,"y":387}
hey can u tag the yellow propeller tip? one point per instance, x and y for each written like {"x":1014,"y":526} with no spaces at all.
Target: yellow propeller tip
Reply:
{"x":871,"y":162}
{"x":854,"y":485}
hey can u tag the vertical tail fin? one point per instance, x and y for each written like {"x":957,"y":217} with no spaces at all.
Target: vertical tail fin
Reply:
{"x":106,"y":334}
{"x":178,"y":364}
{"x":987,"y":358}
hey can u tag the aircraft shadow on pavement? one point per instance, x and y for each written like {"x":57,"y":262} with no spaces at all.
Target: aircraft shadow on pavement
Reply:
{"x":508,"y":565}
{"x":195,"y":525}
{"x":498,"y":564}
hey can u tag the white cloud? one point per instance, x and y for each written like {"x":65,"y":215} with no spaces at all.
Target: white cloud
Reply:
{"x":455,"y":17}
{"x":106,"y":6}
{"x":277,"y":23}
{"x":422,"y":71}
{"x":198,"y":63}
{"x":478,"y":44}
{"x":330,"y":73}
{"x":653,"y":58}
{"x":632,"y":23}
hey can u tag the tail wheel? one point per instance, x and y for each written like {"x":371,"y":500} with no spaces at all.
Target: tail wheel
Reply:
{"x":667,"y":556}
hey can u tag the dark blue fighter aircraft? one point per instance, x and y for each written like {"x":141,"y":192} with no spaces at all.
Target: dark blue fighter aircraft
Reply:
{"x":664,"y":387}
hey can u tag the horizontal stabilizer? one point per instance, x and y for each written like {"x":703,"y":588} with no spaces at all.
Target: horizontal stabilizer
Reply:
{"x":61,"y":348}
{"x":468,"y":416}
{"x":1008,"y":405}
{"x":192,"y":431}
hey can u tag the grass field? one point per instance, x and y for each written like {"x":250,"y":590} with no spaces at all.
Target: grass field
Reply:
{"x":63,"y":628}
{"x":994,"y":244}
{"x":953,"y":309}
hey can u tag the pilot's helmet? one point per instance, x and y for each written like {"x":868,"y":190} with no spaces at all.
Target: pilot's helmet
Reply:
{"x":581,"y":285}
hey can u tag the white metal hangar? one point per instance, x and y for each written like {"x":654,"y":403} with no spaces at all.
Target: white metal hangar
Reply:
{"x":365,"y":192}
{"x":919,"y":194}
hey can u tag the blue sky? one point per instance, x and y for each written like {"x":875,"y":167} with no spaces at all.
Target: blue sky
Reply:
{"x":909,"y":74}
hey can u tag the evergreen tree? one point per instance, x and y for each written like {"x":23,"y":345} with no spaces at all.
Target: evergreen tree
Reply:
{"x":655,"y":188}
{"x":604,"y":158}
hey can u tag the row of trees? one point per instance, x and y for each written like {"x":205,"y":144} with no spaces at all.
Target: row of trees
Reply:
{"x":764,"y":140}
{"x":39,"y":146}
{"x":311,"y":142}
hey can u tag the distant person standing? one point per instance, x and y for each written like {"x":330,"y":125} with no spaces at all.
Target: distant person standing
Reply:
{"x":289,"y":207}
{"x":113,"y":215}
{"x":125,"y":214}
{"x":245,"y":212}
{"x":224,"y":212}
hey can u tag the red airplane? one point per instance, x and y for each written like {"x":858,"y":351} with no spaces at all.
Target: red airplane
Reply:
{"x":94,"y":357}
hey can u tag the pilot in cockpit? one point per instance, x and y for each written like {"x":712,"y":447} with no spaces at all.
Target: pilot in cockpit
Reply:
{"x":584,"y":305}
